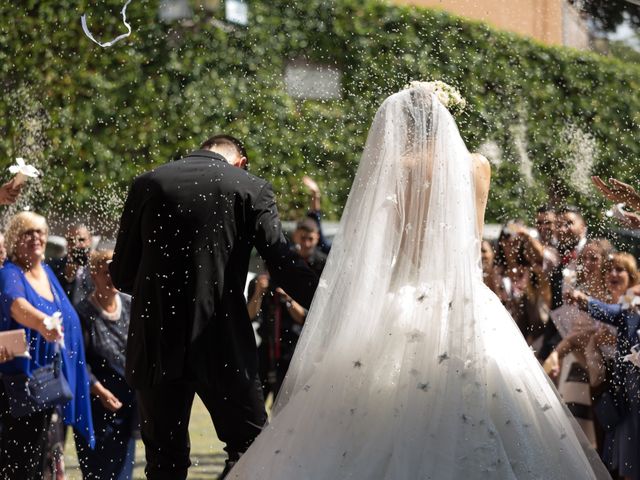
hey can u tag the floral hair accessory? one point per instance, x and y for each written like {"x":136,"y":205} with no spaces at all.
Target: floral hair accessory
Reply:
{"x":449,"y":96}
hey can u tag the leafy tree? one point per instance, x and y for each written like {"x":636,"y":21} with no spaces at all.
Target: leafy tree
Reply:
{"x":609,"y":14}
{"x":93,"y":118}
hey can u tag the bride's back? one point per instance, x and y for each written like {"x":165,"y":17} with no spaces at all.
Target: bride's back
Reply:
{"x":412,"y":219}
{"x":434,"y":191}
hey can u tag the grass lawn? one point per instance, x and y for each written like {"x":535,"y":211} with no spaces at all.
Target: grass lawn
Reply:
{"x":207,"y":456}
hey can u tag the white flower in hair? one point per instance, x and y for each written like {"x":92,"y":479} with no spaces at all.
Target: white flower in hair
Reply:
{"x":22,"y":171}
{"x":449,"y":96}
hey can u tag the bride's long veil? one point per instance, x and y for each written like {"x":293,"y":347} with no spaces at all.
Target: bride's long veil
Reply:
{"x":401,"y":372}
{"x":410,"y":221}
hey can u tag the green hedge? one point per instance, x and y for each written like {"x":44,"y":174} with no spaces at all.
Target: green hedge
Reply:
{"x":92,"y":118}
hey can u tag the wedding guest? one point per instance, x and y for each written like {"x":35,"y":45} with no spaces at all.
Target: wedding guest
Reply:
{"x":621,"y":442}
{"x":490,"y":272}
{"x":29,"y":295}
{"x":283,"y":317}
{"x":104,"y":315}
{"x":572,"y":238}
{"x":571,"y":232}
{"x":573,"y":377}
{"x":72,"y":270}
{"x":73,"y":274}
{"x":600,"y":349}
{"x":284,"y":314}
{"x":518,"y":254}
{"x":281,"y":320}
{"x":289,"y":318}
{"x":306,"y":238}
{"x":546,"y":227}
{"x":5,"y":356}
{"x":591,"y":278}
{"x":54,"y":467}
{"x":260,"y":306}
{"x":324,"y":244}
{"x":591,"y":268}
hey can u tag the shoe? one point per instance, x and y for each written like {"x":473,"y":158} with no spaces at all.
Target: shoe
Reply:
{"x":228,"y":465}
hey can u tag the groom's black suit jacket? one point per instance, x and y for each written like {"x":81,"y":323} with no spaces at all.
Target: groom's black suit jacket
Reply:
{"x":182,"y":251}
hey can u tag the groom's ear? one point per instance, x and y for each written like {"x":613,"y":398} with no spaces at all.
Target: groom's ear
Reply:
{"x":243,"y":163}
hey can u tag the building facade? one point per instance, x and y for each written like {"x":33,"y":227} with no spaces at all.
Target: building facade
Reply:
{"x":554,"y":22}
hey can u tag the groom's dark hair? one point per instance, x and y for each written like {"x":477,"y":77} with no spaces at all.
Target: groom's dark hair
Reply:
{"x":228,"y":140}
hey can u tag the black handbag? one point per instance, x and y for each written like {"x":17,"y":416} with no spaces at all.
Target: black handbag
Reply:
{"x":45,"y":389}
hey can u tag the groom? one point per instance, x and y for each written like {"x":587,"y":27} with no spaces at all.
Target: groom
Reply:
{"x":186,"y":233}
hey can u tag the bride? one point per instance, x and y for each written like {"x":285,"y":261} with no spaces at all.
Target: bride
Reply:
{"x":408,"y":366}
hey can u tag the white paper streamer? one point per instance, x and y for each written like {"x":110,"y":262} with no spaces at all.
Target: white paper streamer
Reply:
{"x":83,"y":19}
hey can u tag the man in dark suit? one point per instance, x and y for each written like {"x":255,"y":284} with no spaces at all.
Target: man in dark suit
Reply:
{"x":72,"y":270}
{"x":183,"y":248}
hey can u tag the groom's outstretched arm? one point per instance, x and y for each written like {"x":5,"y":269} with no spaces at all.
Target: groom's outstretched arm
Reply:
{"x":128,"y":250}
{"x":287,"y":269}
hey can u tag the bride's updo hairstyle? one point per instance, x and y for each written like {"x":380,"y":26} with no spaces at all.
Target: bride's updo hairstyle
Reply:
{"x":416,"y":102}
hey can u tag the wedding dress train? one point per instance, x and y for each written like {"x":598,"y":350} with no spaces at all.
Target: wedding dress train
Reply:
{"x":408,"y":366}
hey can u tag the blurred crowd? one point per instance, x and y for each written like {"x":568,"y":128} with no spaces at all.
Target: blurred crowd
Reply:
{"x":576,"y":300}
{"x":574,"y":297}
{"x":277,"y":318}
{"x":90,"y":344}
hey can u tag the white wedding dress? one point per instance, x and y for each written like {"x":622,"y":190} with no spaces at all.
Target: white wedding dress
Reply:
{"x":408,"y":367}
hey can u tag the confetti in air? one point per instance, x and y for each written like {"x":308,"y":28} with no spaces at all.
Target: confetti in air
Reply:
{"x":83,"y":19}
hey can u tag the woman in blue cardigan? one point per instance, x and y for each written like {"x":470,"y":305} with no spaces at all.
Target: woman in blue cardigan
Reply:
{"x":622,"y":443}
{"x":29,"y":296}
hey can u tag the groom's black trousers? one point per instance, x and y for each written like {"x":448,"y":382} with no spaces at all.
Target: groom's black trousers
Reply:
{"x":238,"y":417}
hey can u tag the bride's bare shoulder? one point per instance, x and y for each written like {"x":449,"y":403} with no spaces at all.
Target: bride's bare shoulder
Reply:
{"x":481,"y":164}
